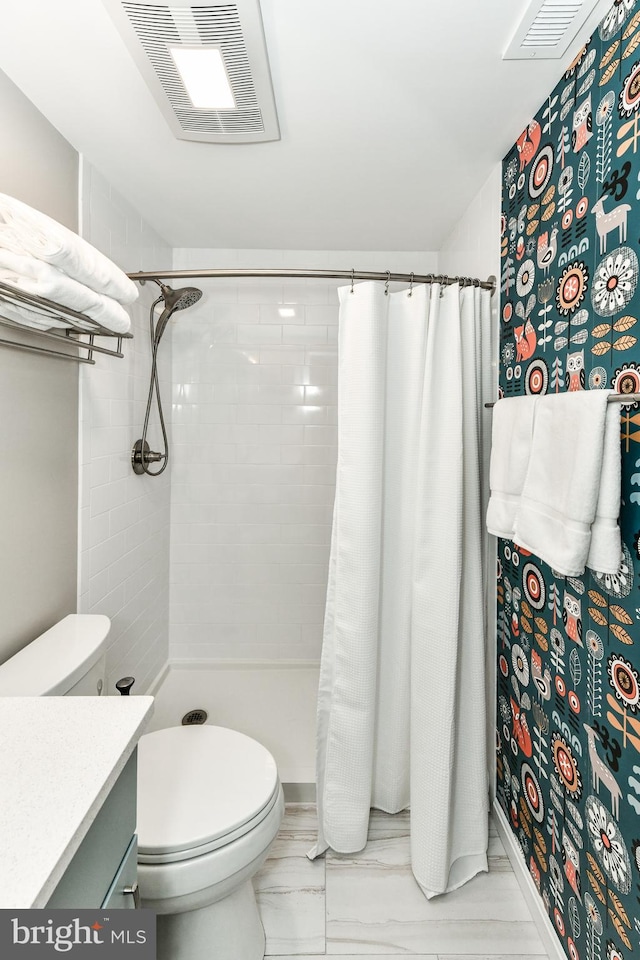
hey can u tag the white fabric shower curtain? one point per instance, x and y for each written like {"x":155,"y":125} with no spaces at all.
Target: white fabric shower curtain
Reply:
{"x":401,"y":711}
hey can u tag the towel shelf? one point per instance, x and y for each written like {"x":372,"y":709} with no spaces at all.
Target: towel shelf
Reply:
{"x":78,"y":336}
{"x":612,"y":398}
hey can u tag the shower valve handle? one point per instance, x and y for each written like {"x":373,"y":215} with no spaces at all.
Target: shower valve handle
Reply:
{"x":141,"y":455}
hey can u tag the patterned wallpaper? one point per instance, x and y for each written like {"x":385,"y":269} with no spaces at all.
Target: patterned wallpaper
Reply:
{"x":568,"y":733}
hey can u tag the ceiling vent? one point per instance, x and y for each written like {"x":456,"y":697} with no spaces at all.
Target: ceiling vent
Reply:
{"x":548,"y":27}
{"x":156,"y":33}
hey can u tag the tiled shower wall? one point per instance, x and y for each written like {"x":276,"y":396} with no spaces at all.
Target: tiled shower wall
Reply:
{"x":124,"y":519}
{"x":255,"y":445}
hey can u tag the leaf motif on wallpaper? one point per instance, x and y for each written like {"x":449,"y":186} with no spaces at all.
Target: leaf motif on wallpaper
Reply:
{"x":541,"y":625}
{"x":620,"y":633}
{"x":596,"y":869}
{"x":624,"y":343}
{"x":604,"y":149}
{"x":587,"y":63}
{"x":622,"y":933}
{"x":549,"y":195}
{"x":599,"y":617}
{"x":548,"y":114}
{"x":631,"y":47}
{"x":566,"y":109}
{"x":526,"y":625}
{"x":526,"y":609}
{"x":618,"y":905}
{"x":633,"y":25}
{"x":578,"y":320}
{"x":620,"y":614}
{"x":584,"y":169}
{"x":577,"y":338}
{"x":633,"y":128}
{"x":567,"y":92}
{"x":540,"y":840}
{"x":609,"y":72}
{"x":624,"y":323}
{"x":532,"y":210}
{"x":575,"y":667}
{"x":532,"y":227}
{"x":607,"y":55}
{"x":574,"y":918}
{"x":586,"y":83}
{"x":596,"y":889}
{"x":601,"y":348}
{"x":597,"y":598}
{"x":549,"y":211}
{"x":542,"y":641}
{"x":602,"y":330}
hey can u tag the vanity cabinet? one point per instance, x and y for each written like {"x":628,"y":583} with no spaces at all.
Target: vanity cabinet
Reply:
{"x":102,"y":872}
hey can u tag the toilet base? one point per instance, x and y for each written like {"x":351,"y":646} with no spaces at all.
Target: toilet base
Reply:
{"x":229,"y":929}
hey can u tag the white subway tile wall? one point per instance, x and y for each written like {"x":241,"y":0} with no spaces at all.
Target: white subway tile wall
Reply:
{"x":124,"y":519}
{"x":255,"y":446}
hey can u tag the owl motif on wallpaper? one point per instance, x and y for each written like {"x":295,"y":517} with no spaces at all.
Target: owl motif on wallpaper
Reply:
{"x":582,"y":125}
{"x":572,"y":618}
{"x":575,"y":377}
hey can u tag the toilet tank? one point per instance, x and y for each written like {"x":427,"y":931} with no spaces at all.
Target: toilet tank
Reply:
{"x":67,"y":660}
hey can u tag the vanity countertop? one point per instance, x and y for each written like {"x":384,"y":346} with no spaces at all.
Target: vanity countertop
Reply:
{"x":59,"y":759}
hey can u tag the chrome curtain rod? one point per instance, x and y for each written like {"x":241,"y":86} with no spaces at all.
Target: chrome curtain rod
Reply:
{"x":612,"y":398}
{"x":386,"y":275}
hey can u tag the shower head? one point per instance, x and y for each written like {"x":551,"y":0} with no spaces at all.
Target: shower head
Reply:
{"x":174,"y":300}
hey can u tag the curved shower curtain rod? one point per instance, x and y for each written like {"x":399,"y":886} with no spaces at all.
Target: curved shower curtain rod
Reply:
{"x":386,"y":275}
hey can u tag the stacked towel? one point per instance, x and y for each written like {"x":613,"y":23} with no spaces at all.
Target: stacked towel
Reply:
{"x":40,"y":279}
{"x":43,"y":258}
{"x":560,"y":498}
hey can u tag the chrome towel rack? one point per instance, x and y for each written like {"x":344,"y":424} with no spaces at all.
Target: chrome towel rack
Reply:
{"x":612,"y":398}
{"x":78,"y":336}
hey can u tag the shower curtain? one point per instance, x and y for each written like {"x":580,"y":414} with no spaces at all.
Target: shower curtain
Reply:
{"x":401,"y":710}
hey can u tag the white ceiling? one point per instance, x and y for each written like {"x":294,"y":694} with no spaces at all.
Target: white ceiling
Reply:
{"x":392,"y":114}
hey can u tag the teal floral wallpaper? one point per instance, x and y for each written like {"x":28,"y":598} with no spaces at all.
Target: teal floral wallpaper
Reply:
{"x":568,"y":732}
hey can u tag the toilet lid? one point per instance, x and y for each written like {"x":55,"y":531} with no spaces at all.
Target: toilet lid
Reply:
{"x":198,"y":783}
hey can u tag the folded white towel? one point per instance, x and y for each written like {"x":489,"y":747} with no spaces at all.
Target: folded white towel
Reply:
{"x":561,"y":493}
{"x":512,"y":433}
{"x":25,"y":230}
{"x":41,"y":279}
{"x":29,"y":317}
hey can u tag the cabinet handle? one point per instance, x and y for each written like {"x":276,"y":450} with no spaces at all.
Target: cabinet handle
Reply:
{"x":133,"y":891}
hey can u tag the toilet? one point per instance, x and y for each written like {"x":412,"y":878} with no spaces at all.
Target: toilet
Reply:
{"x":210,"y":804}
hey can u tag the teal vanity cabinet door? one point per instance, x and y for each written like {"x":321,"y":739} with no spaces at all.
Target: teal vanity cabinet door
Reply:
{"x":123,"y":893}
{"x":106,"y":852}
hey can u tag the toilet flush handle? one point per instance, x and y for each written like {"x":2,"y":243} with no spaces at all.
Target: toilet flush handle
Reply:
{"x":124,"y":685}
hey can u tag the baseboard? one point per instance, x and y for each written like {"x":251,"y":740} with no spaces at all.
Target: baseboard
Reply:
{"x":175,"y":663}
{"x":533,"y":899}
{"x":299,"y":792}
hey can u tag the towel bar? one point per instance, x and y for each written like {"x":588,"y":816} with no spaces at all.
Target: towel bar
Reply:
{"x":612,"y":398}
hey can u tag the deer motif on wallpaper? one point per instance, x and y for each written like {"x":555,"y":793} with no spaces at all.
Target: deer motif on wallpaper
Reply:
{"x":601,"y":772}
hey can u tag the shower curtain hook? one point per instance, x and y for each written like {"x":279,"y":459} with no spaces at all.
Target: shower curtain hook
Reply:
{"x":411,"y":284}
{"x":352,"y":277}
{"x":387,"y":282}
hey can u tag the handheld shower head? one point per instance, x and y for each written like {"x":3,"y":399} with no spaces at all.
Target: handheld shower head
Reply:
{"x":174,"y":300}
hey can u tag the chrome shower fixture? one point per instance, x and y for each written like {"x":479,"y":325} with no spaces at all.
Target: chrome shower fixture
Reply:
{"x":174,"y":300}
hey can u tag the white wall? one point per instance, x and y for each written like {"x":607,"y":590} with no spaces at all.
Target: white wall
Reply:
{"x":255,"y":446}
{"x":124,"y":519}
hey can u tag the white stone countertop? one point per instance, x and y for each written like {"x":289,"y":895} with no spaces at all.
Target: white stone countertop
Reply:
{"x":59,"y":758}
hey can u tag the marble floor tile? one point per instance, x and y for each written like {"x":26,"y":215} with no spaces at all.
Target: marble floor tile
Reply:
{"x":290,"y":890}
{"x":383,"y":826}
{"x":300,"y":821}
{"x":375,"y":905}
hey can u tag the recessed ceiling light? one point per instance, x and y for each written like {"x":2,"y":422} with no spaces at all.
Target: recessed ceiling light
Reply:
{"x":204,"y":76}
{"x":170,"y":39}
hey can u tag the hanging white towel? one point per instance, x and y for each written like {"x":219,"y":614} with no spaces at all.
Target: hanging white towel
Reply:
{"x":41,"y":279}
{"x":25,"y":230}
{"x":605,"y":548}
{"x":512,"y":435}
{"x":561,"y":494}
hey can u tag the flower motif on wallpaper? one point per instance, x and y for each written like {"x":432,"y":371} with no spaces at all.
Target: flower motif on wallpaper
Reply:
{"x":605,"y":108}
{"x":617,"y":584}
{"x":629,"y":99}
{"x":626,"y":379}
{"x":525,"y":278}
{"x":566,"y":766}
{"x":598,"y":378}
{"x":565,"y":181}
{"x":520,"y":664}
{"x":572,"y":288}
{"x":615,"y":281}
{"x":608,"y":843}
{"x":625,"y":682}
{"x":612,"y":951}
{"x":616,"y":18}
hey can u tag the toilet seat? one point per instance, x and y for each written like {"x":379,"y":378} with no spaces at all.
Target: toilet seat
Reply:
{"x":200,"y":788}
